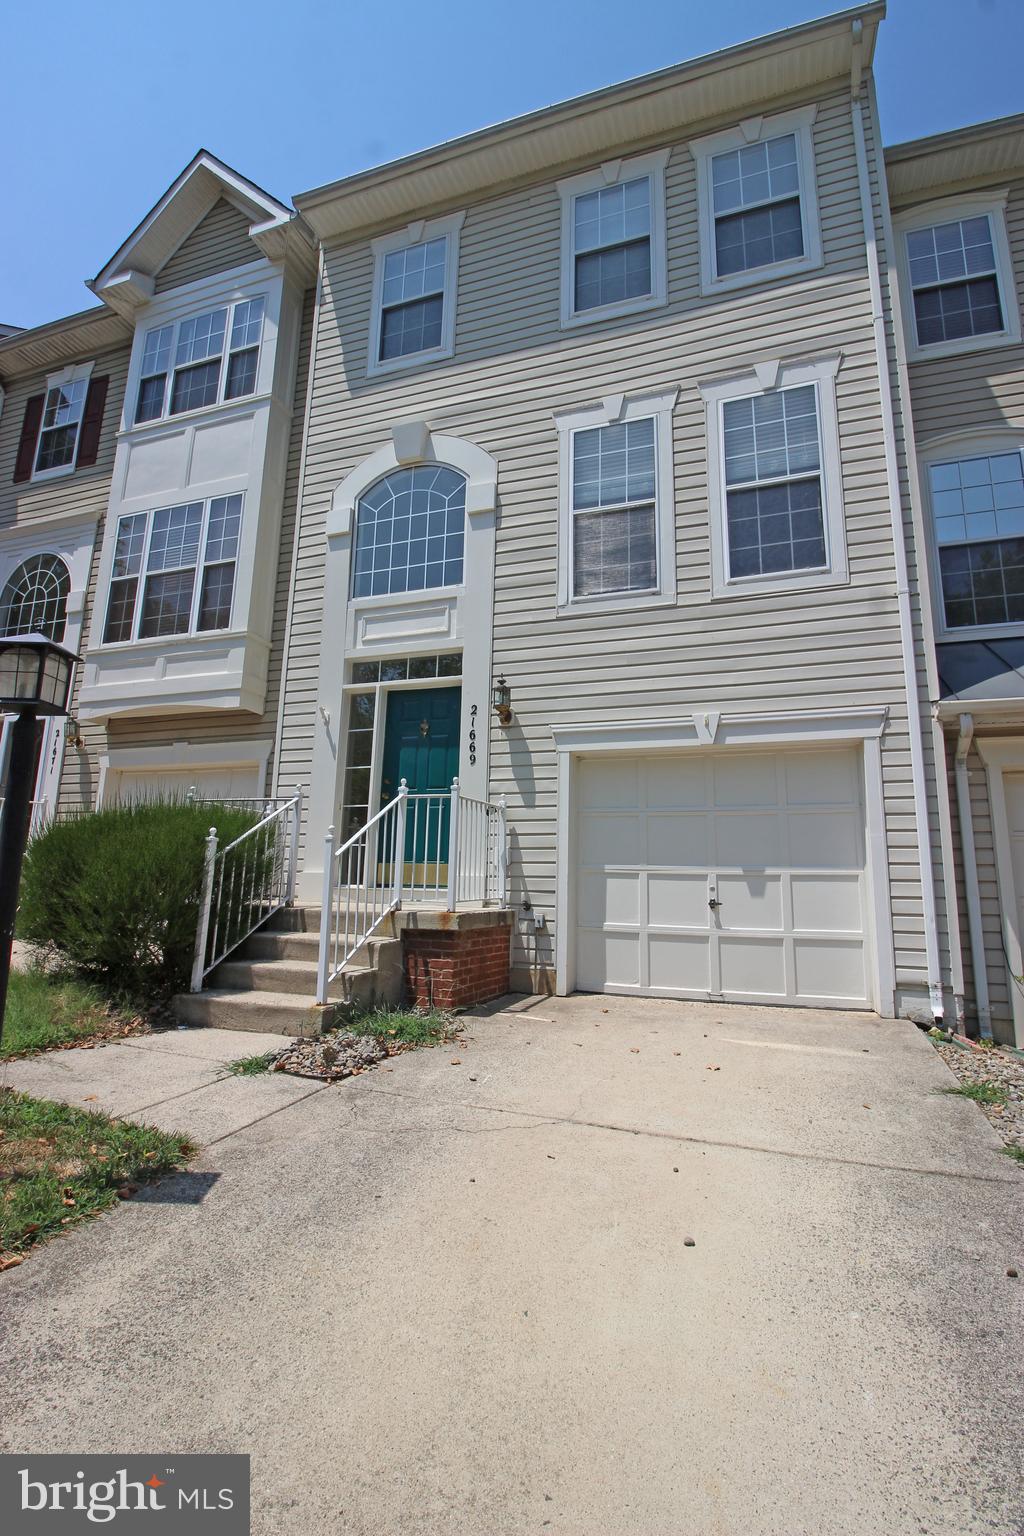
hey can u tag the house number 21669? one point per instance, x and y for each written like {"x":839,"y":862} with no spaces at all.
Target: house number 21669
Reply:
{"x":473,"y":712}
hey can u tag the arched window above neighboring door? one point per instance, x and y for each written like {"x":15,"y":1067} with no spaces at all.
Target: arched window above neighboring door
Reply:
{"x":35,"y":598}
{"x":410,"y":532}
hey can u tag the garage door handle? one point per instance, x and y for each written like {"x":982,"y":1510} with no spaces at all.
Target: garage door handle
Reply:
{"x":713,"y":904}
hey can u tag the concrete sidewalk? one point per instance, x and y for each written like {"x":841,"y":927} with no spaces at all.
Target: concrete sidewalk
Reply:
{"x":177,"y":1080}
{"x":458,"y":1297}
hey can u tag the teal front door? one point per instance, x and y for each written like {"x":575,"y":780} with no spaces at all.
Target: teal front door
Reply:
{"x":421,"y":746}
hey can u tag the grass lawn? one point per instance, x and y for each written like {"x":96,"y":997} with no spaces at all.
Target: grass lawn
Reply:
{"x":47,"y":1011}
{"x":60,"y":1165}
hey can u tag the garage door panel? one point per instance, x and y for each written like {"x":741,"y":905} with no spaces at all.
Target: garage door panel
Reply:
{"x":826,"y":840}
{"x":610,"y":838}
{"x":609,"y":897}
{"x":679,"y":962}
{"x":745,"y":780}
{"x":677,"y":839}
{"x":677,"y":901}
{"x":827,"y":902}
{"x":750,"y":901}
{"x":777,"y":837}
{"x":134,"y":785}
{"x":677,"y":783}
{"x":752,"y":966}
{"x":820,"y":778}
{"x":829,"y":968}
{"x":610,"y":782}
{"x":608,"y":960}
{"x":745,"y":840}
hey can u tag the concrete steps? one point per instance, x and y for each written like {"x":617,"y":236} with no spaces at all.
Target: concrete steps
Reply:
{"x":268,"y":984}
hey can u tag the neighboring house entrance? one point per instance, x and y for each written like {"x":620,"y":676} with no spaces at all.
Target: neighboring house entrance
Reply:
{"x":421,"y":746}
{"x":738,"y":875}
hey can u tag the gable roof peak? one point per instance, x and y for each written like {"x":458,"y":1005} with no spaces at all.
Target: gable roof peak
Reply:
{"x":126,"y":281}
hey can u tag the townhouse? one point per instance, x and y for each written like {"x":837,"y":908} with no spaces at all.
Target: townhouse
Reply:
{"x":573,"y":459}
{"x":958,"y":213}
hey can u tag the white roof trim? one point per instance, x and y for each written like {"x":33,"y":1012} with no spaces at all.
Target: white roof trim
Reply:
{"x":187,"y":200}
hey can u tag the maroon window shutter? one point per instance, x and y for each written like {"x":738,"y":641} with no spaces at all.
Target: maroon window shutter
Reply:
{"x":92,"y":421}
{"x":31,"y":422}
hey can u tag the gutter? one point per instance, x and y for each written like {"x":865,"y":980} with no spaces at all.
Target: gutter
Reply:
{"x":971,"y":887}
{"x":892,"y":474}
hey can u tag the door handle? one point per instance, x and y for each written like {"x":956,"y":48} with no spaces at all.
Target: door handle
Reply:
{"x":714,"y":904}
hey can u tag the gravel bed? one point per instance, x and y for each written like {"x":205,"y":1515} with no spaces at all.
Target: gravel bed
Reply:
{"x":332,"y":1056}
{"x":1003,"y":1069}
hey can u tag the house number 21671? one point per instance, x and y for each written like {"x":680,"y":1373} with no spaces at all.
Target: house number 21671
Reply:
{"x":473,"y":712}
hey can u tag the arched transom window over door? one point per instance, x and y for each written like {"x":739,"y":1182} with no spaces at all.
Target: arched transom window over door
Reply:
{"x":35,"y":599}
{"x":410,"y":532}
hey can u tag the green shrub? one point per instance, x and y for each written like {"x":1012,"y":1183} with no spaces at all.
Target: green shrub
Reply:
{"x":116,"y":892}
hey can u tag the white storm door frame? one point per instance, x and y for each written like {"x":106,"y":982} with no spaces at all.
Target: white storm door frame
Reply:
{"x":1003,"y":755}
{"x":712,"y":728}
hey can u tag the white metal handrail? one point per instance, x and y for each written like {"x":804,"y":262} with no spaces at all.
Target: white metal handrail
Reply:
{"x":362,"y":885}
{"x":437,"y":847}
{"x":244,"y":883}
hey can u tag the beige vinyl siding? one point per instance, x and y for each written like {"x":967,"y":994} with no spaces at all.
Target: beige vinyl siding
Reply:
{"x":85,"y":492}
{"x":978,"y":389}
{"x":906,"y":893}
{"x":219,"y":242}
{"x":511,"y":370}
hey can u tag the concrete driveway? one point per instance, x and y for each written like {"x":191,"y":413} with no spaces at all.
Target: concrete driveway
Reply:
{"x":457,"y":1297}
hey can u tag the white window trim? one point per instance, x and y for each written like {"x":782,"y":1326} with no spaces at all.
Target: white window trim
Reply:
{"x":944,"y":211}
{"x":620,"y":408}
{"x":940,"y":450}
{"x":762,"y":379}
{"x":69,"y":375}
{"x":416,"y":233}
{"x":754,"y":130}
{"x":192,"y":632}
{"x":611,"y":174}
{"x":221,"y":290}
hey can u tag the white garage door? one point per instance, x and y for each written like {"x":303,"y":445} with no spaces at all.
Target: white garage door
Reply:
{"x":736,"y":875}
{"x":136,"y":784}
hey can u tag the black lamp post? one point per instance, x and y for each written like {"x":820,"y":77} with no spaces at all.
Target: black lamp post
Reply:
{"x":35,"y":679}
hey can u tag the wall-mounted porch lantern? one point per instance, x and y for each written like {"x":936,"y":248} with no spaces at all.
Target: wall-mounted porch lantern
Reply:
{"x":501,"y":699}
{"x":35,"y":680}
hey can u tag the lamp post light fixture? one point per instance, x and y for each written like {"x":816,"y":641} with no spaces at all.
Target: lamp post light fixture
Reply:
{"x":35,"y":680}
{"x":501,"y":699}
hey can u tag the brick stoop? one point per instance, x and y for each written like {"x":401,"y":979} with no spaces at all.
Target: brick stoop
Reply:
{"x":430,"y":959}
{"x":454,"y":959}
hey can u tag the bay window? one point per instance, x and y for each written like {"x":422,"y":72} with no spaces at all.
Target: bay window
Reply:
{"x":200,"y":360}
{"x":173,"y":571}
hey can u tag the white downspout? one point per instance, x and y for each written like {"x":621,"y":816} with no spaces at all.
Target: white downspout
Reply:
{"x":971,"y":887}
{"x":892,"y":474}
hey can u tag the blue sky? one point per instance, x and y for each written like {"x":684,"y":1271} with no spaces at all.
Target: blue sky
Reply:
{"x":112,"y":100}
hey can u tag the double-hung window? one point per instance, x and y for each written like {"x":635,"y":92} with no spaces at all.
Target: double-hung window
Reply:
{"x":957,"y":271}
{"x":174,"y":570}
{"x":613,"y":239}
{"x":758,"y":203}
{"x":776,"y":493}
{"x":977,"y":505}
{"x":618,"y":531}
{"x":414,"y":291}
{"x":63,"y":407}
{"x":200,"y":360}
